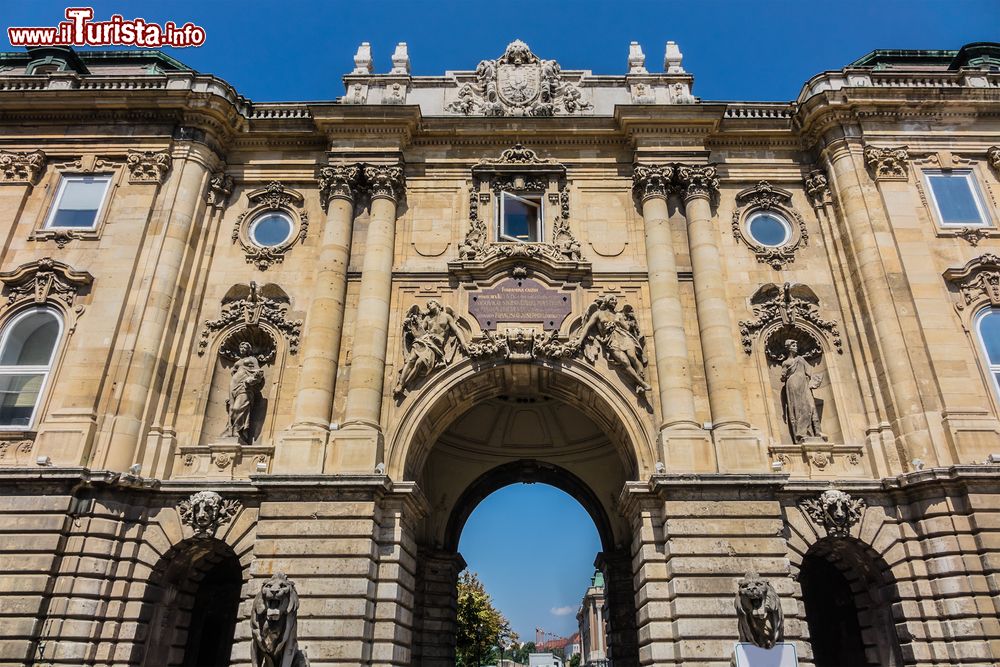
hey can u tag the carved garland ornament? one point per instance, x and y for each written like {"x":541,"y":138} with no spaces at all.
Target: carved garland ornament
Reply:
{"x":834,"y":510}
{"x":518,"y":83}
{"x":21,"y":167}
{"x":273,"y":197}
{"x":251,"y":306}
{"x":766,"y":197}
{"x":978,"y":281}
{"x":789,"y":304}
{"x":205,"y":511}
{"x":148,"y":166}
{"x":889,"y":164}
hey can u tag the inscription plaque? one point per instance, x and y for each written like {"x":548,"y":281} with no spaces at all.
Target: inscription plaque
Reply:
{"x":523,"y":301}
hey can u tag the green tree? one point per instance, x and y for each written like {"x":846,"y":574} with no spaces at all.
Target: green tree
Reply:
{"x":575,"y":661}
{"x":520,"y":653}
{"x":481,"y":627}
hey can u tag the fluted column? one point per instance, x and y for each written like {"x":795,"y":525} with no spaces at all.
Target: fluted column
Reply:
{"x":355,"y":449}
{"x":725,"y":395}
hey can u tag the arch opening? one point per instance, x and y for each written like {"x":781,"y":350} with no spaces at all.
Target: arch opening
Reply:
{"x":848,"y":592}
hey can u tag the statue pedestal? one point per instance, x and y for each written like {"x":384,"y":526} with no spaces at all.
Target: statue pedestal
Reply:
{"x":749,"y":655}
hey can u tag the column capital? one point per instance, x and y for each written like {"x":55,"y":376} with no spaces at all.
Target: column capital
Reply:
{"x":697,"y":181}
{"x":652,"y":180}
{"x":887,"y":164}
{"x":338,"y":182}
{"x":817,"y":187}
{"x":220,"y":187}
{"x":385,"y":181}
{"x":21,"y":167}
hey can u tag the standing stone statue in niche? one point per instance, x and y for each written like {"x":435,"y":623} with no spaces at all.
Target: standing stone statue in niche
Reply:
{"x":618,"y":335}
{"x":244,"y":392}
{"x":431,"y":339}
{"x":797,"y":400}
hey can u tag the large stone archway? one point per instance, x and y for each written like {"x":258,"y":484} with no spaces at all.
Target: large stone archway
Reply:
{"x":476,"y":429}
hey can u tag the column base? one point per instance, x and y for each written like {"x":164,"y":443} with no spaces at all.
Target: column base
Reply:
{"x":687,"y":448}
{"x":740,"y":449}
{"x":299,"y":450}
{"x":355,"y":448}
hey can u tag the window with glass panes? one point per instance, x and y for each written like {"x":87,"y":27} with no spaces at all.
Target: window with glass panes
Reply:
{"x":78,"y":202}
{"x":27,"y":348}
{"x":956,"y":198}
{"x":520,"y":218}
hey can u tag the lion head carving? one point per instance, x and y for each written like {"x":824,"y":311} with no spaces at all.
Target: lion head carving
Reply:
{"x":834,"y":510}
{"x":759,"y":611}
{"x":205,"y":511}
{"x":273,"y":625}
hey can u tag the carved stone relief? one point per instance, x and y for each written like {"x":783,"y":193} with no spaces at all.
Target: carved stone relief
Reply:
{"x":220,"y":187}
{"x":148,"y":166}
{"x":761,"y":621}
{"x":45,"y":280}
{"x":789,"y":304}
{"x":977,"y":282}
{"x":766,"y":197}
{"x":21,"y":167}
{"x":993,"y":157}
{"x":274,"y":625}
{"x":834,"y":510}
{"x":889,"y":164}
{"x":518,"y":83}
{"x":250,"y":306}
{"x":205,"y":511}
{"x":273,"y":197}
{"x":817,"y":187}
{"x":432,"y":338}
{"x":338,"y":182}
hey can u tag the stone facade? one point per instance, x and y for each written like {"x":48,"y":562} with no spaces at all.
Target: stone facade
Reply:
{"x":331,"y":406}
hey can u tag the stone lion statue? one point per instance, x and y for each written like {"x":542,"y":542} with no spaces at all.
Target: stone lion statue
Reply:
{"x":759,"y":612}
{"x":273,"y":625}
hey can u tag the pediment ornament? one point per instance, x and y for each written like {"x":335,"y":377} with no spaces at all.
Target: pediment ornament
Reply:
{"x":978,"y":281}
{"x":45,"y":280}
{"x":790,"y":305}
{"x":518,"y":83}
{"x":249,"y":306}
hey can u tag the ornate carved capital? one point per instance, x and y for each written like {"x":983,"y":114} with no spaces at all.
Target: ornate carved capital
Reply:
{"x":887,"y":164}
{"x":148,"y":166}
{"x":652,"y":180}
{"x":338,"y":182}
{"x":993,"y":157}
{"x":220,"y":186}
{"x":43,"y":280}
{"x":817,"y":187}
{"x":385,"y":181}
{"x":698,"y":181}
{"x":205,"y":511}
{"x":978,"y":281}
{"x":21,"y":167}
{"x":834,"y":510}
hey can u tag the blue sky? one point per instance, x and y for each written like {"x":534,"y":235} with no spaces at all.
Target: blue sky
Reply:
{"x":534,"y":548}
{"x":533,"y":545}
{"x":737,"y":50}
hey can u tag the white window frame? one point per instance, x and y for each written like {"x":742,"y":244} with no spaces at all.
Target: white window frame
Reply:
{"x":44,"y":371}
{"x":977,"y":197}
{"x":539,"y":204}
{"x":781,"y":220}
{"x":256,"y":221}
{"x":57,"y":200}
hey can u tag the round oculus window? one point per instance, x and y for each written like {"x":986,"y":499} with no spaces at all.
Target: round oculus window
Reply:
{"x":271,"y":229}
{"x":769,"y":229}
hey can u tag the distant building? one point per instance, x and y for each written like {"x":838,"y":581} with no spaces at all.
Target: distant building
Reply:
{"x":592,"y":640}
{"x":544,"y":660}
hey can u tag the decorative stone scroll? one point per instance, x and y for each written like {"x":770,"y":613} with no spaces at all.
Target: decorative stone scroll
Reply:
{"x":834,"y":510}
{"x":245,"y":308}
{"x":978,"y":281}
{"x":205,"y":511}
{"x":887,"y":164}
{"x":697,"y":181}
{"x":148,"y":166}
{"x":791,"y":304}
{"x":384,"y":180}
{"x":338,"y":182}
{"x":273,"y":197}
{"x":21,"y":167}
{"x":518,"y":83}
{"x":220,"y":187}
{"x":274,"y":625}
{"x":45,"y":280}
{"x":766,"y":197}
{"x":761,"y":621}
{"x":651,"y":180}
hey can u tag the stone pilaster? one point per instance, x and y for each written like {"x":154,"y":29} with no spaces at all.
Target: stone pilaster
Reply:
{"x":619,"y":593}
{"x":908,"y":419}
{"x":435,"y":621}
{"x":300,"y":448}
{"x":684,"y":444}
{"x":356,"y":447}
{"x":737,"y":446}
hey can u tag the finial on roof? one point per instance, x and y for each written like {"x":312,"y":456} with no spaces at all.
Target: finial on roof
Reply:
{"x":672,"y":59}
{"x":363,"y":59}
{"x":636,"y":59}
{"x":400,"y":60}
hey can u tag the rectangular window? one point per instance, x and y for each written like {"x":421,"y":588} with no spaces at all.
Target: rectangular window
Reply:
{"x":956,"y":198}
{"x":79,"y":202}
{"x":520,"y":218}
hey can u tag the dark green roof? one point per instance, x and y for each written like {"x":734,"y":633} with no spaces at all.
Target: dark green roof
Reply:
{"x":983,"y":55}
{"x":82,"y":60}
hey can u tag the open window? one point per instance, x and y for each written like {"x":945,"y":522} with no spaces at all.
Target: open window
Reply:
{"x":520,"y":218}
{"x":27,"y":348}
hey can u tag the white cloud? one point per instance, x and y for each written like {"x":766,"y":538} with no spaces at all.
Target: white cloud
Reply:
{"x":563,"y":611}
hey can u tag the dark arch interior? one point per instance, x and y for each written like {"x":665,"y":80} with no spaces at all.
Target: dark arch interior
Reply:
{"x":526,"y":471}
{"x":191,"y":606}
{"x":848,"y":593}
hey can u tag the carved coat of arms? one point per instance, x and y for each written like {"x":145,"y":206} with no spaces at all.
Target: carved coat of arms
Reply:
{"x":519,"y":75}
